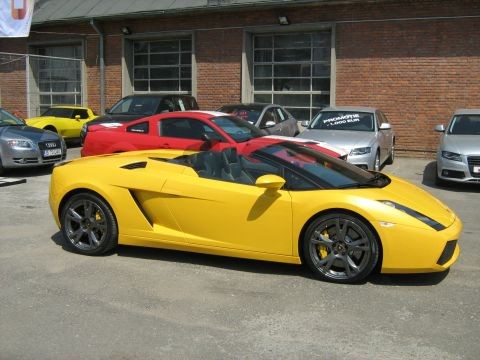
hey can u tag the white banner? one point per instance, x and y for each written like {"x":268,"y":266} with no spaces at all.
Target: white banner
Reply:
{"x":15,"y":17}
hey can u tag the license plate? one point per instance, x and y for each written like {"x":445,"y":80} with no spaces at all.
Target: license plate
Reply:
{"x":52,"y":152}
{"x":476,"y":169}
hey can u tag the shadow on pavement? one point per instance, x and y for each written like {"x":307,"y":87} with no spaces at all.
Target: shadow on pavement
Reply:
{"x":256,"y":266}
{"x":429,"y":176}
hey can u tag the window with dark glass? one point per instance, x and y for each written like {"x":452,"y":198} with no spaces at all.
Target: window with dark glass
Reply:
{"x":162,"y":66}
{"x":293,"y":70}
{"x":140,"y":128}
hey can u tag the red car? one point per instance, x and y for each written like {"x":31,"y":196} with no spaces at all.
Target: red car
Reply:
{"x":190,"y":130}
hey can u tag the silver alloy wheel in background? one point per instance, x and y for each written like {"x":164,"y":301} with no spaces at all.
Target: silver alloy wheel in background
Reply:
{"x":341,"y":248}
{"x":376,"y":163}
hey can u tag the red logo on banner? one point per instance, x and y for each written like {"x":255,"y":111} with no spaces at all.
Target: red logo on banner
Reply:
{"x":19,"y":9}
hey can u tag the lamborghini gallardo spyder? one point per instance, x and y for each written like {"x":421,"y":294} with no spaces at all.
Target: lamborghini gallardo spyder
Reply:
{"x":283,"y":202}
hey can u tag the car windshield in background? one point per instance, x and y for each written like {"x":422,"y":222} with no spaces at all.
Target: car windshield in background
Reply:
{"x":135,"y":105}
{"x":59,"y":112}
{"x":465,"y":125}
{"x":329,"y":171}
{"x":7,"y":119}
{"x":249,"y":113}
{"x":343,"y":120}
{"x":239,"y":130}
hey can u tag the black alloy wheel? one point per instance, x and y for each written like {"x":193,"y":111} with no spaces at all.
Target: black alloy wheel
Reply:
{"x":88,"y":224}
{"x":339,"y":247}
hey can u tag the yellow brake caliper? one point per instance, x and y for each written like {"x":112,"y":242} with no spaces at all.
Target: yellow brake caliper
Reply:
{"x":322,"y":250}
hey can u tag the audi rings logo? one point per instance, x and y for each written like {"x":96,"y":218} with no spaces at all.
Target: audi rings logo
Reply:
{"x":50,"y":145}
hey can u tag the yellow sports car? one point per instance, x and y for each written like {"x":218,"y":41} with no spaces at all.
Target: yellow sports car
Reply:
{"x":64,"y":120}
{"x":281,"y":202}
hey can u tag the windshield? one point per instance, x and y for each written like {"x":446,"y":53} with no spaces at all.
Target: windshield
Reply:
{"x":328,"y":171}
{"x":343,"y":120}
{"x":238,"y":129}
{"x":59,"y":112}
{"x":465,"y":125}
{"x":249,"y":113}
{"x":7,"y":119}
{"x":143,"y":105}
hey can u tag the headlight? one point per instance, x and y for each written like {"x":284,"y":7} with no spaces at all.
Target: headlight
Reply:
{"x":361,"y":151}
{"x":419,"y":216}
{"x":24,"y":144}
{"x":451,"y":156}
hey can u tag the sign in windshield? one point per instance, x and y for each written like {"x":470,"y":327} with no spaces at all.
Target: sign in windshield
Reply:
{"x":343,"y":120}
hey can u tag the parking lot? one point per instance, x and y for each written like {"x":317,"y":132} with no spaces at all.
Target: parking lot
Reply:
{"x":140,"y":303}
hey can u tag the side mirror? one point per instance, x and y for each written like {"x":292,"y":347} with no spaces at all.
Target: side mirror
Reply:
{"x":269,"y":124}
{"x":77,"y":117}
{"x":210,"y":140}
{"x":270,"y":181}
{"x":305,"y":123}
{"x":385,"y":126}
{"x":440,"y":128}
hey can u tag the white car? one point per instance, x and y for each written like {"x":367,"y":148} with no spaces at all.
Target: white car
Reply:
{"x":458,"y":155}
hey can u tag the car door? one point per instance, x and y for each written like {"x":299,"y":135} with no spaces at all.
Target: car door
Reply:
{"x":225,"y":215}
{"x":184,"y":133}
{"x":287,"y":124}
{"x":269,"y":117}
{"x":72,"y":126}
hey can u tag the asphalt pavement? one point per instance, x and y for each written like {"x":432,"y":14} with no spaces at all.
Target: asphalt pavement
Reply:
{"x":139,"y":303}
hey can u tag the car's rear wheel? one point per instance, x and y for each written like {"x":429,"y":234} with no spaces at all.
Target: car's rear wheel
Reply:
{"x":340,"y":247}
{"x":391,"y":158}
{"x":88,"y":224}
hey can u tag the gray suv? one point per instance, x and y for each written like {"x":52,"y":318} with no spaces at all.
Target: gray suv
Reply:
{"x":135,"y":107}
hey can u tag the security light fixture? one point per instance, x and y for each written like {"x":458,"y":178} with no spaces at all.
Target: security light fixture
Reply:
{"x":283,"y":20}
{"x":126,"y":30}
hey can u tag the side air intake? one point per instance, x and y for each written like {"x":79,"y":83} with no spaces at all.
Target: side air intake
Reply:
{"x":136,"y":165}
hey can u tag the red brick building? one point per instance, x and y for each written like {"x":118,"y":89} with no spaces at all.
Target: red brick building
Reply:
{"x":416,"y":60}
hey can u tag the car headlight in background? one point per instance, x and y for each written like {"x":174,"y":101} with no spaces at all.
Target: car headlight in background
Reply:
{"x":361,"y":151}
{"x":419,"y":216}
{"x":451,"y":156}
{"x":24,"y":144}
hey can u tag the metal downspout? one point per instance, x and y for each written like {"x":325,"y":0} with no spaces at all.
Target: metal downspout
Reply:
{"x":102,"y":64}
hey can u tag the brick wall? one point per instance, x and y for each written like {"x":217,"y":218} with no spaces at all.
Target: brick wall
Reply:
{"x":417,"y":71}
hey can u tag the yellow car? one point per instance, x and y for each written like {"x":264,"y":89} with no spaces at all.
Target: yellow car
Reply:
{"x":64,"y":120}
{"x":279,"y":202}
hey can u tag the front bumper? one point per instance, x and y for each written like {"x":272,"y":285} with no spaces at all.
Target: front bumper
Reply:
{"x":365,"y":161}
{"x":30,"y":157}
{"x":409,"y":249}
{"x":465,"y":171}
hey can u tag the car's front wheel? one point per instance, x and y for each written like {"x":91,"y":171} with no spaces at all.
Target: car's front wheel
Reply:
{"x":88,"y":224}
{"x":340,"y":247}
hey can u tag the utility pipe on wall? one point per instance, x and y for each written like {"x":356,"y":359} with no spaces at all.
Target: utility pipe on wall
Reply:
{"x":101,"y":50}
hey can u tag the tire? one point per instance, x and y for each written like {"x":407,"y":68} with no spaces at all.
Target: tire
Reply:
{"x":88,"y":224}
{"x":376,"y":162}
{"x":340,"y":248}
{"x":391,"y":158}
{"x":50,"y":128}
{"x":2,"y":169}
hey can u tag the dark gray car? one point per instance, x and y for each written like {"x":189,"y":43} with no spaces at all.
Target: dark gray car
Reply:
{"x":26,"y":146}
{"x":363,"y":132}
{"x":271,"y":118}
{"x":458,"y":155}
{"x":138,"y":106}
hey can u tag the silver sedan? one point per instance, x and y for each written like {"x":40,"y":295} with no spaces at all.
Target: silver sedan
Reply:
{"x":458,"y":155}
{"x":25,"y":146}
{"x":363,"y":132}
